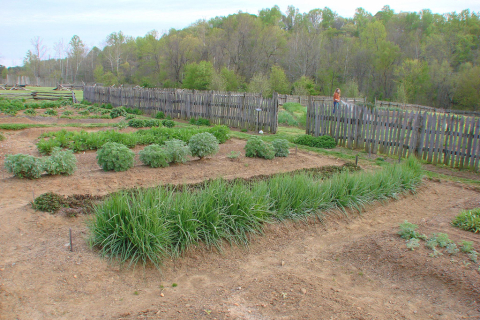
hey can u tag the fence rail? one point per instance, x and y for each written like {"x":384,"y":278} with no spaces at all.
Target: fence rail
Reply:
{"x":236,"y":110}
{"x":437,"y":138}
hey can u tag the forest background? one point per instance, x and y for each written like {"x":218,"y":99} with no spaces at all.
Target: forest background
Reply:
{"x":410,"y":57}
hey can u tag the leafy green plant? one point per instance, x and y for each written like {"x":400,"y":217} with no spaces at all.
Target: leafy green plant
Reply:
{"x":30,"y":112}
{"x":154,"y":156}
{"x":256,"y":147}
{"x":115,"y":156}
{"x":431,"y":243}
{"x":286,"y":118}
{"x":49,"y":202}
{"x":67,"y":113}
{"x":24,"y":166}
{"x":136,"y":123}
{"x":118,"y":112}
{"x":407,"y":230}
{"x":160,"y":115}
{"x":51,"y":112}
{"x":466,"y":246}
{"x":168,"y":123}
{"x":200,"y":122}
{"x":130,"y":116}
{"x":281,"y":147}
{"x":473,"y":255}
{"x":134,"y":111}
{"x":435,"y":253}
{"x":121,"y":125}
{"x":413,"y":243}
{"x":84,"y":113}
{"x":61,"y":162}
{"x":203,"y":144}
{"x":177,"y":151}
{"x":468,"y":220}
{"x":442,"y":239}
{"x":233,"y":155}
{"x":325,"y":142}
{"x":451,"y":248}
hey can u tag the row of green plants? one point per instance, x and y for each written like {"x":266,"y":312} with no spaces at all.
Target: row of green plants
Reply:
{"x":324,"y":142}
{"x":148,"y":123}
{"x":82,"y":140}
{"x":31,"y":167}
{"x":439,"y":243}
{"x":12,"y":107}
{"x":200,"y":122}
{"x":149,"y":225}
{"x":117,"y":157}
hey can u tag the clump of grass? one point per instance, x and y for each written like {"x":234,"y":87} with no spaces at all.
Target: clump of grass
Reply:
{"x":145,"y":225}
{"x":468,"y":220}
{"x":407,"y":230}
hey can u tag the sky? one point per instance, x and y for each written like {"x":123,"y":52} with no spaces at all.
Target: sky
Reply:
{"x":54,"y":21}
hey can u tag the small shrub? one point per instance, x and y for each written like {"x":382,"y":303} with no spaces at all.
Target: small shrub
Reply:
{"x":243,"y":130}
{"x":413,"y":243}
{"x":203,"y":144}
{"x":220,"y":132}
{"x":121,"y":125}
{"x":49,"y":202}
{"x":30,"y":112}
{"x":200,"y":122}
{"x":468,"y":220}
{"x":67,"y":113}
{"x":234,"y":155}
{"x":84,"y":113}
{"x":473,"y":256}
{"x":51,"y":112}
{"x":136,"y":123}
{"x":177,"y":151}
{"x":431,"y":243}
{"x":134,"y":111}
{"x":442,"y":239}
{"x":130,"y":116}
{"x":168,"y":123}
{"x":281,"y":147}
{"x":154,"y":156}
{"x":452,"y":248}
{"x":152,"y":123}
{"x":256,"y":147}
{"x":118,"y":112}
{"x":466,"y":246}
{"x":115,"y":156}
{"x":24,"y":166}
{"x":160,"y":115}
{"x":407,"y":230}
{"x":61,"y":162}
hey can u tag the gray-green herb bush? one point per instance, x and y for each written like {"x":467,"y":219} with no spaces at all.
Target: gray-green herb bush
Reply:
{"x":473,"y":256}
{"x":256,"y":147}
{"x":413,"y":243}
{"x":24,"y":166}
{"x":442,"y":239}
{"x":177,"y":151}
{"x":452,"y":248}
{"x":154,"y":156}
{"x":431,"y":243}
{"x":115,"y":156}
{"x":466,"y":246}
{"x":281,"y":147}
{"x":203,"y":144}
{"x":407,"y":230}
{"x":61,"y":162}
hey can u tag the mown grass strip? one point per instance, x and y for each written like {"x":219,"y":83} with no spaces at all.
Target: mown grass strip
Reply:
{"x":149,"y":225}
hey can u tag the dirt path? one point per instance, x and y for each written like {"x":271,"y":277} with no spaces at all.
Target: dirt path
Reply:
{"x":355,"y":268}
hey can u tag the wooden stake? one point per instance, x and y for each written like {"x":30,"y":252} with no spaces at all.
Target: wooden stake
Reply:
{"x":71,"y":244}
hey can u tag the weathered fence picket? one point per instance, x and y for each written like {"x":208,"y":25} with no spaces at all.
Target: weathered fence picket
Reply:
{"x":436,"y":138}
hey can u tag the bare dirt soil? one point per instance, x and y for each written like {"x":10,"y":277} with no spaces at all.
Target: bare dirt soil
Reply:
{"x":345,"y":268}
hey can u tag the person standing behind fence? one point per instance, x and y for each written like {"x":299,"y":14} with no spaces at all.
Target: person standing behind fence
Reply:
{"x":336,"y":99}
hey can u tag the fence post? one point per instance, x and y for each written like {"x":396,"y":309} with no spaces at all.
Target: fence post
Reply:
{"x":309,"y":113}
{"x":418,"y":144}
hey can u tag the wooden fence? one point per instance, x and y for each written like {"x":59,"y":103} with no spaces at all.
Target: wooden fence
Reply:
{"x":237,"y":110}
{"x":437,"y":138}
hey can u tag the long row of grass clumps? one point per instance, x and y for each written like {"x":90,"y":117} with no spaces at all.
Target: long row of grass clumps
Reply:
{"x":11,"y":107}
{"x":82,"y":140}
{"x":149,"y":225}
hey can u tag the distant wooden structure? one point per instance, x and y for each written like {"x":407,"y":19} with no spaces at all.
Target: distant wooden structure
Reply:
{"x":238,"y":110}
{"x":446,"y":139}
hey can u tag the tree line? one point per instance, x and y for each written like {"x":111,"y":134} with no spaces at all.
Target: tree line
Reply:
{"x":412,"y":57}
